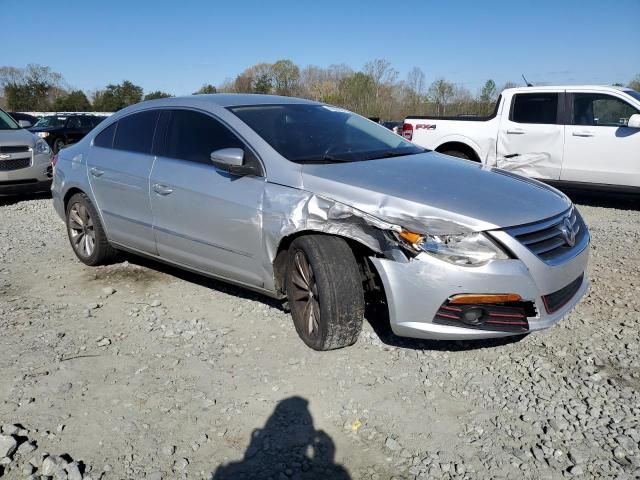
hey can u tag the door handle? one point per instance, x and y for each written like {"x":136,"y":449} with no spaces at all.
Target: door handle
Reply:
{"x":515,"y":131}
{"x":96,"y":172}
{"x":162,"y":189}
{"x":583,"y":134}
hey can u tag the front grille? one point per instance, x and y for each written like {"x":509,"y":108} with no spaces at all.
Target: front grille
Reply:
{"x":14,"y":164}
{"x":556,"y":300}
{"x":14,"y":149}
{"x":554,"y":240}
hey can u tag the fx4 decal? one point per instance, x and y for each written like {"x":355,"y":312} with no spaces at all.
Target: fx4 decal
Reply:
{"x":425,"y":126}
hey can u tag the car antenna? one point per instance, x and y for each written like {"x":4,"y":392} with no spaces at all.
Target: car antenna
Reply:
{"x":525,"y":81}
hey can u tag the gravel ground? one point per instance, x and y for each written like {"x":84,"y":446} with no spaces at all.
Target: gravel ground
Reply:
{"x":138,"y":370}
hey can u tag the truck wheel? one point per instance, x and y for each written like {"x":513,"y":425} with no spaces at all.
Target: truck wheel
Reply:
{"x":457,"y":153}
{"x":86,"y":234}
{"x":325,"y":291}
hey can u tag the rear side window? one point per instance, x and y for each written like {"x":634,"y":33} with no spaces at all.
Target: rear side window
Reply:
{"x":193,"y":136}
{"x":105,"y":138}
{"x":135,"y":132}
{"x":535,"y":108}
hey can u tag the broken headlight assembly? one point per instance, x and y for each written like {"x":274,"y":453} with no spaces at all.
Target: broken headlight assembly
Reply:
{"x":469,"y":249}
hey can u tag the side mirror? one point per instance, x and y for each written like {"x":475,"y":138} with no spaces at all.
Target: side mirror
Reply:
{"x":634,"y":121}
{"x":232,"y":160}
{"x":24,"y":123}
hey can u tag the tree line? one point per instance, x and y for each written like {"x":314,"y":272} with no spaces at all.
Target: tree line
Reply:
{"x":376,"y":90}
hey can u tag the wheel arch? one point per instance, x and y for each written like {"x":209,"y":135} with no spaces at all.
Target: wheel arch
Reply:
{"x":460,"y":146}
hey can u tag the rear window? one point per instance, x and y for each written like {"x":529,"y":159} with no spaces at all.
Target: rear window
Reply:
{"x":105,"y":138}
{"x":135,"y":132}
{"x":535,"y":108}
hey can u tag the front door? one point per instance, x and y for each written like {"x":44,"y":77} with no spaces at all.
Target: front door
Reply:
{"x":530,"y":138}
{"x":119,"y":164}
{"x":599,"y":147}
{"x":203,"y":217}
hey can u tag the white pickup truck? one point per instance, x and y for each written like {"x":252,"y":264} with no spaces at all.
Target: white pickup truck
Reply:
{"x":586,"y":136}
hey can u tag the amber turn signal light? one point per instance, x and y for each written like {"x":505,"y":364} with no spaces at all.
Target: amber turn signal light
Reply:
{"x":410,"y":237}
{"x":476,"y":298}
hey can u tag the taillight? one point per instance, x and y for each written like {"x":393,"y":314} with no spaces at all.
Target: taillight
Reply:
{"x":54,"y":160}
{"x":407,"y":131}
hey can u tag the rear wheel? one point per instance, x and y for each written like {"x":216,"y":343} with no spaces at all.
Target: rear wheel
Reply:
{"x":457,"y":153}
{"x":86,"y":234}
{"x":58,"y":145}
{"x":325,"y":292}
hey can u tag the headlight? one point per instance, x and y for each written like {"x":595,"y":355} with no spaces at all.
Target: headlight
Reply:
{"x":41,"y":147}
{"x":472,"y":249}
{"x":42,"y":134}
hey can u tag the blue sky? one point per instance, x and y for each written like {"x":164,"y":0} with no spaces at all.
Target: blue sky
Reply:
{"x":179,"y":45}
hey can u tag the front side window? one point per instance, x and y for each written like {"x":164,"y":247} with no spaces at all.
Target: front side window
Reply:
{"x":6,"y":122}
{"x":595,"y":109}
{"x":135,"y":132}
{"x":305,"y":133}
{"x":73,"y":122}
{"x":193,"y":136}
{"x":51,"y":121}
{"x":535,"y":108}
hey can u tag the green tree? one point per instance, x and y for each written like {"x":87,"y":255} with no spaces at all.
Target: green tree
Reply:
{"x":286,"y":76}
{"x":634,"y":84}
{"x":207,"y":88}
{"x":157,"y":94}
{"x":30,"y":88}
{"x":116,"y":97}
{"x":488,"y":96}
{"x":74,"y":101}
{"x":262,"y":83}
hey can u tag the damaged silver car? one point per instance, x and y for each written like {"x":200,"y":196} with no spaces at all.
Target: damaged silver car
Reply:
{"x":302,"y":200}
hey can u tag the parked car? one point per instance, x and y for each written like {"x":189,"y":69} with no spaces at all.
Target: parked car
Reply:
{"x":62,"y":130}
{"x":298,"y":199}
{"x":24,"y":159}
{"x":586,"y":136}
{"x":24,"y":119}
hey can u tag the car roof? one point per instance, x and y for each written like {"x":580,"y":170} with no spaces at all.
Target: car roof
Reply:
{"x":568,"y":87}
{"x":228,"y":100}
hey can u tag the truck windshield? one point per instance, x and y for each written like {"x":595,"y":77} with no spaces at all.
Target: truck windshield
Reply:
{"x":6,"y":122}
{"x":633,"y":93}
{"x":51,"y":121}
{"x":322,"y":134}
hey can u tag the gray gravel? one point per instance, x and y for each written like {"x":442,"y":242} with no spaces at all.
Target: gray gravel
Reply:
{"x":138,"y":370}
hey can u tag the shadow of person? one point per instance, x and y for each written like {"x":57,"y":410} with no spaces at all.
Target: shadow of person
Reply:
{"x":288,"y":447}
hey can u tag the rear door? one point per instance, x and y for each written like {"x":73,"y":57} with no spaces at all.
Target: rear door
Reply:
{"x":203,"y":217}
{"x":119,"y":164}
{"x":599,"y":147}
{"x":530,"y":136}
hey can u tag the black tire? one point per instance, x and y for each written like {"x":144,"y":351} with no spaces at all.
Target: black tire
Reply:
{"x":102,"y":252}
{"x":337,"y":299}
{"x":457,"y":153}
{"x":58,"y":145}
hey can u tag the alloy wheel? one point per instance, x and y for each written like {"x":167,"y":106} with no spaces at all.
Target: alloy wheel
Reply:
{"x":81,"y":231}
{"x":305,"y":296}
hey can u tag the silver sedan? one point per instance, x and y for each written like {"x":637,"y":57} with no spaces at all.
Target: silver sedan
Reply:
{"x":309,"y":202}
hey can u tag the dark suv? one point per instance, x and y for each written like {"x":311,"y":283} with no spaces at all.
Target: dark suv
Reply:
{"x":61,"y":130}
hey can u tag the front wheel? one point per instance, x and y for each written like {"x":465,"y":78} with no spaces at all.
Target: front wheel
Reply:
{"x":457,"y":153}
{"x":325,"y":292}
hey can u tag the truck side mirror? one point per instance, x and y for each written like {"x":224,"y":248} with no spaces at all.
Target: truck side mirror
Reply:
{"x":634,"y":121}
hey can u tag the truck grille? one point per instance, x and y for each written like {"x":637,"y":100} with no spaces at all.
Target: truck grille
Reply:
{"x":555,"y":240}
{"x":14,"y":149}
{"x":14,"y":164}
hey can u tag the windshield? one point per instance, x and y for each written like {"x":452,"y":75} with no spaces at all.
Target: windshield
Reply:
{"x":633,"y":93}
{"x":51,"y":121}
{"x":6,"y":122}
{"x":322,"y":134}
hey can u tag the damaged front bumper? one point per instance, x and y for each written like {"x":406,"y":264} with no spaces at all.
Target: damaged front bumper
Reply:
{"x":416,"y":290}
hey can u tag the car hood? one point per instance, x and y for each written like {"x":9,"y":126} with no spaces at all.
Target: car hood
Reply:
{"x":44,"y":129}
{"x":10,"y":138}
{"x":433,"y":193}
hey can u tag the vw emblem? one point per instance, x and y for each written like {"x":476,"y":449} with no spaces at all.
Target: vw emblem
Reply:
{"x":567,"y":231}
{"x":4,"y":156}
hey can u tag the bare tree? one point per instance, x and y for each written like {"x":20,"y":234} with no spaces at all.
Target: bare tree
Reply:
{"x":440,"y":93}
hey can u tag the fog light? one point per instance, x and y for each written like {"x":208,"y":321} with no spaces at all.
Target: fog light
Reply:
{"x":473,"y":316}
